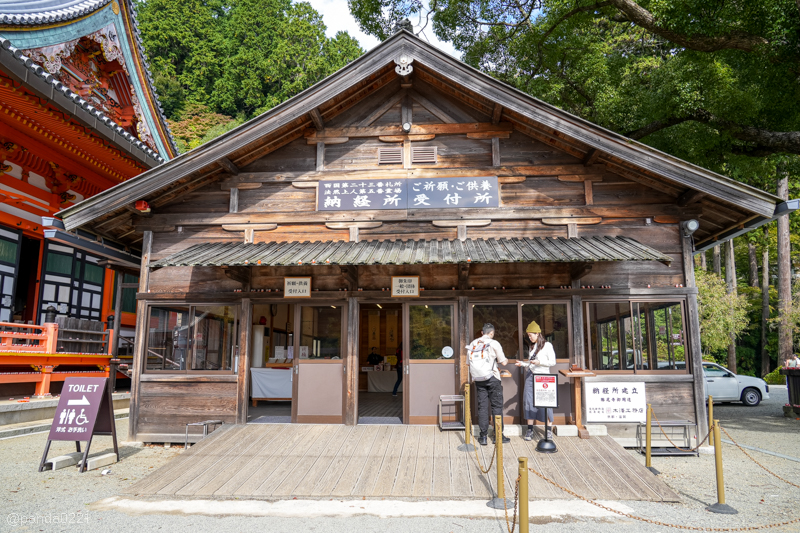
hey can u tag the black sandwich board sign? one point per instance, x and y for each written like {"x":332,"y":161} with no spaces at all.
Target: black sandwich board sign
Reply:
{"x":84,"y":410}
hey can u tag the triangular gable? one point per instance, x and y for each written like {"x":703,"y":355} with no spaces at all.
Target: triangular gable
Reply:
{"x":623,"y":156}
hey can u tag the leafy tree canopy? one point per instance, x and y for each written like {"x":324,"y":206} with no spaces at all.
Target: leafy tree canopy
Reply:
{"x":218,"y":59}
{"x":711,"y":81}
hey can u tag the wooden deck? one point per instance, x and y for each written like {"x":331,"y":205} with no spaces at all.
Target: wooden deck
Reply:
{"x":278,"y":461}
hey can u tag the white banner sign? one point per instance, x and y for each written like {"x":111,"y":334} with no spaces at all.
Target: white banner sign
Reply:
{"x":545,"y":390}
{"x":616,"y":402}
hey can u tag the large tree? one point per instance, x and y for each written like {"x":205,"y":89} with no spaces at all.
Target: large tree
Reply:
{"x":218,"y":59}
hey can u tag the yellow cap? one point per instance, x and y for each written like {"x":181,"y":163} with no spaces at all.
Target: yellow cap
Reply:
{"x":533,"y":327}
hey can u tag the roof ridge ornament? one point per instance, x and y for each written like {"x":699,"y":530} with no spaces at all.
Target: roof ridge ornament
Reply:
{"x":403,"y":24}
{"x":403,"y":63}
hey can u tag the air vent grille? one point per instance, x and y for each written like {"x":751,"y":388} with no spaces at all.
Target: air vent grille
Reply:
{"x":390,"y":156}
{"x":423,"y":154}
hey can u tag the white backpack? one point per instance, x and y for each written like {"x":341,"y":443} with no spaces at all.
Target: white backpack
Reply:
{"x":482,"y":360}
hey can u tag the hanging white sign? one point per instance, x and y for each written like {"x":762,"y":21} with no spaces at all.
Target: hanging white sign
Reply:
{"x":405,"y":285}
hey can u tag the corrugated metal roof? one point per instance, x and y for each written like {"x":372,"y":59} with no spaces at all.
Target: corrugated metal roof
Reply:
{"x":421,"y":252}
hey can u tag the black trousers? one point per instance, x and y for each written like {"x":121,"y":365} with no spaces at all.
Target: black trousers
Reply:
{"x":489,"y":391}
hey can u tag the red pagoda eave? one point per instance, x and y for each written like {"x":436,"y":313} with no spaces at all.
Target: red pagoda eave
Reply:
{"x":27,"y":114}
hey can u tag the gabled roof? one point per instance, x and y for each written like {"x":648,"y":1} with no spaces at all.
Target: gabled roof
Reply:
{"x":567,"y":132}
{"x":44,"y":13}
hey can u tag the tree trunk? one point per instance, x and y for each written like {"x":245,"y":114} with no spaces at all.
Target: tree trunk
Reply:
{"x":751,"y":255}
{"x":703,"y":264}
{"x":765,"y":366}
{"x":730,"y":280}
{"x":784,"y":277}
{"x":717,"y":262}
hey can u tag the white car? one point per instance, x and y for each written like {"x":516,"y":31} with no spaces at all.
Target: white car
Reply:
{"x":725,"y":386}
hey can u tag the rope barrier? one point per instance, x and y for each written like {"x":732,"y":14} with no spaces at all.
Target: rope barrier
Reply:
{"x":658,"y":522}
{"x":756,"y":462}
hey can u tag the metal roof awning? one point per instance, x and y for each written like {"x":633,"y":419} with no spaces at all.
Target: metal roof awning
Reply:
{"x":112,"y":255}
{"x":415,"y":252}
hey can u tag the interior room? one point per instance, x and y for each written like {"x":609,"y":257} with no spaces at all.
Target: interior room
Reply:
{"x":379,"y":356}
{"x":271,"y":360}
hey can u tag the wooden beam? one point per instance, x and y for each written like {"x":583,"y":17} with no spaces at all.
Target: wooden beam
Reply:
{"x":580,"y":177}
{"x":403,"y":138}
{"x":506,"y":180}
{"x":562,"y":221}
{"x":588,"y":192}
{"x":233,"y":204}
{"x":566,"y":214}
{"x":689,"y":197}
{"x":440,"y":129}
{"x":572,"y":230}
{"x":497,"y":113}
{"x":578,"y":271}
{"x":406,"y":154}
{"x":327,"y":140}
{"x":463,"y":276}
{"x":495,"y":152}
{"x":489,"y":135}
{"x":433,"y":108}
{"x":320,"y":156}
{"x":379,"y":111}
{"x":416,"y":173}
{"x":243,"y":372}
{"x":241,"y":274}
{"x":456,"y":223}
{"x":591,"y":157}
{"x":316,"y":118}
{"x":347,"y":225}
{"x":142,"y":327}
{"x":693,"y":336}
{"x":305,"y":184}
{"x":228,"y":165}
{"x":350,"y":275}
{"x":243,"y":227}
{"x":351,"y":363}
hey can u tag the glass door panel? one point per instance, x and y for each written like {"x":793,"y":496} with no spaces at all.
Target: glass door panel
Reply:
{"x":429,"y":368}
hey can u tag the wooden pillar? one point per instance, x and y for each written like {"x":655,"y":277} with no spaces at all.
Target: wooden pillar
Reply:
{"x":245,"y":332}
{"x":140,"y":339}
{"x":117,"y":317}
{"x":693,"y":329}
{"x":717,"y":261}
{"x":462,"y":363}
{"x":43,"y":386}
{"x":785,"y":344}
{"x":730,"y":280}
{"x":578,"y":355}
{"x":351,"y":364}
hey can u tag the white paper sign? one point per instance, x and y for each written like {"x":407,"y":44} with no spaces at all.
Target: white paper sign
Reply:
{"x":405,"y":285}
{"x":304,"y":352}
{"x":545,"y":390}
{"x":279,"y":352}
{"x":616,"y":402}
{"x":297,"y":287}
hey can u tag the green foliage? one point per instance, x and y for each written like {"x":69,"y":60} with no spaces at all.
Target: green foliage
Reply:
{"x":721,"y":313}
{"x":775,"y":377}
{"x":198,"y":124}
{"x":219,"y":59}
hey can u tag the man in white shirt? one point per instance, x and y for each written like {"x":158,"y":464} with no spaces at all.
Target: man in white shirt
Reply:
{"x":484,"y":354}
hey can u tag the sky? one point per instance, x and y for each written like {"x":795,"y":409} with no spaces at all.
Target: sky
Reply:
{"x":337,"y":17}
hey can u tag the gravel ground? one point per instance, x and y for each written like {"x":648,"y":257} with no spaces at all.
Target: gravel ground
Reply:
{"x":759,"y":497}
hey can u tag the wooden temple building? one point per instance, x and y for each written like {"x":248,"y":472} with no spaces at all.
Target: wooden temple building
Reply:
{"x":78,"y":115}
{"x":387,"y":213}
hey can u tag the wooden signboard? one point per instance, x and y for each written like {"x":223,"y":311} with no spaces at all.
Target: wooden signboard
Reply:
{"x":297,"y":287}
{"x":405,"y":286}
{"x":84,"y":410}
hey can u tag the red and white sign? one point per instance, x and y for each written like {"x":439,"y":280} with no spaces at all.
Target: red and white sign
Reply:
{"x":545,"y":390}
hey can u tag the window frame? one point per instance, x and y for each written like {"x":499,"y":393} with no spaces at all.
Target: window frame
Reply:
{"x":191,"y":307}
{"x":520,"y":326}
{"x":640,"y":340}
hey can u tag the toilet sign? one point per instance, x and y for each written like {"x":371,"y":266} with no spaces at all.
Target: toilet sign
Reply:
{"x":545,"y":390}
{"x":84,"y":410}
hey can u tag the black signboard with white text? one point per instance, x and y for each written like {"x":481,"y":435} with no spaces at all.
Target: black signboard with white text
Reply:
{"x":85,"y":409}
{"x":403,"y":193}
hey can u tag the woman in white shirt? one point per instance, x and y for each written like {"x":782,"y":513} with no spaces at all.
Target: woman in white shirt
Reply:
{"x":540,"y":358}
